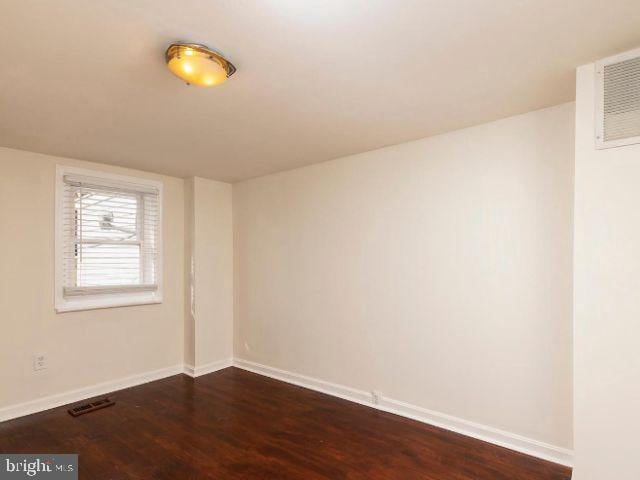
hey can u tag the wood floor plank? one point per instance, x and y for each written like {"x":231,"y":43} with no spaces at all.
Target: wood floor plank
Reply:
{"x":234,"y":424}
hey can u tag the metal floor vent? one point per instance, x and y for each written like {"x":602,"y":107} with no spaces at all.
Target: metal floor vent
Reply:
{"x":90,"y":407}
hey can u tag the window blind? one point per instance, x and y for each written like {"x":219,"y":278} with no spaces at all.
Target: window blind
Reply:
{"x":110,"y":232}
{"x":621,"y":100}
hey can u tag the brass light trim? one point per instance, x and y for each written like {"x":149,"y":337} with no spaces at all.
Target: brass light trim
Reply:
{"x":207,"y":63}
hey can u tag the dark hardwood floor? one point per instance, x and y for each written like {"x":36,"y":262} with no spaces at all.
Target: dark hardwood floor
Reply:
{"x":237,"y":425}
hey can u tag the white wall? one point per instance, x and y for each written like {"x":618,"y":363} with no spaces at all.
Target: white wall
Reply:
{"x":189,"y":274}
{"x":212,"y":246}
{"x":607,"y":300}
{"x":437,"y":272}
{"x":83,"y":348}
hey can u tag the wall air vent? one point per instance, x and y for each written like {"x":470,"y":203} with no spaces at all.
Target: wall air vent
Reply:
{"x":618,"y":100}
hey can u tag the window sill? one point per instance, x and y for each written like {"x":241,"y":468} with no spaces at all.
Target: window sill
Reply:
{"x":95,"y":302}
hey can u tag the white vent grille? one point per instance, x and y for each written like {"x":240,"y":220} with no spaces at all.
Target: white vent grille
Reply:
{"x":618,"y":100}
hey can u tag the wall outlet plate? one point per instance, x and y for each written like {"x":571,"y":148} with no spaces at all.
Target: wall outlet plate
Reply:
{"x":39,"y":361}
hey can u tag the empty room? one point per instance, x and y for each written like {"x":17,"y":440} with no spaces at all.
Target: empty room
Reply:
{"x":320,"y":239}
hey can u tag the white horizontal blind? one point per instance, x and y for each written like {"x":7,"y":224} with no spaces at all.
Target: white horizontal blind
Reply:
{"x":617,"y":98}
{"x":110,"y":233}
{"x":622,"y":100}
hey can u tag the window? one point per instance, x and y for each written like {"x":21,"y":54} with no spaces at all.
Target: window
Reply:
{"x":107,"y":240}
{"x":617,"y":109}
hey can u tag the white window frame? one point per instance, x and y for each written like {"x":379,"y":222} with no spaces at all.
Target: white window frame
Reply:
{"x":107,"y":299}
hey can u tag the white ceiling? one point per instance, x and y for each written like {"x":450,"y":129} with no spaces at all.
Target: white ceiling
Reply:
{"x":316,"y":79}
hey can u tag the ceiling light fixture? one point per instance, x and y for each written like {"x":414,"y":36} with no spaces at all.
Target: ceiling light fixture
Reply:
{"x":198,"y":65}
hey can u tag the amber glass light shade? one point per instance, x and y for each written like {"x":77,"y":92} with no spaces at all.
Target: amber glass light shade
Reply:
{"x":198,"y":65}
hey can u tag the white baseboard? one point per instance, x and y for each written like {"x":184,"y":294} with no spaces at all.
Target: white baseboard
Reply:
{"x":482,"y":432}
{"x":207,"y":368}
{"x":72,"y":396}
{"x":329,"y":388}
{"x":485,"y":433}
{"x":57,"y":400}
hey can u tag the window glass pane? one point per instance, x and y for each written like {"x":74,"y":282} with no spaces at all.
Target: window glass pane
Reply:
{"x":108,"y":238}
{"x":106,"y":216}
{"x":108,"y":264}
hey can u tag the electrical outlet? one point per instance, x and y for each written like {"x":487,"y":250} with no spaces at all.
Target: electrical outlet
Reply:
{"x":376,"y":397}
{"x":39,"y":361}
